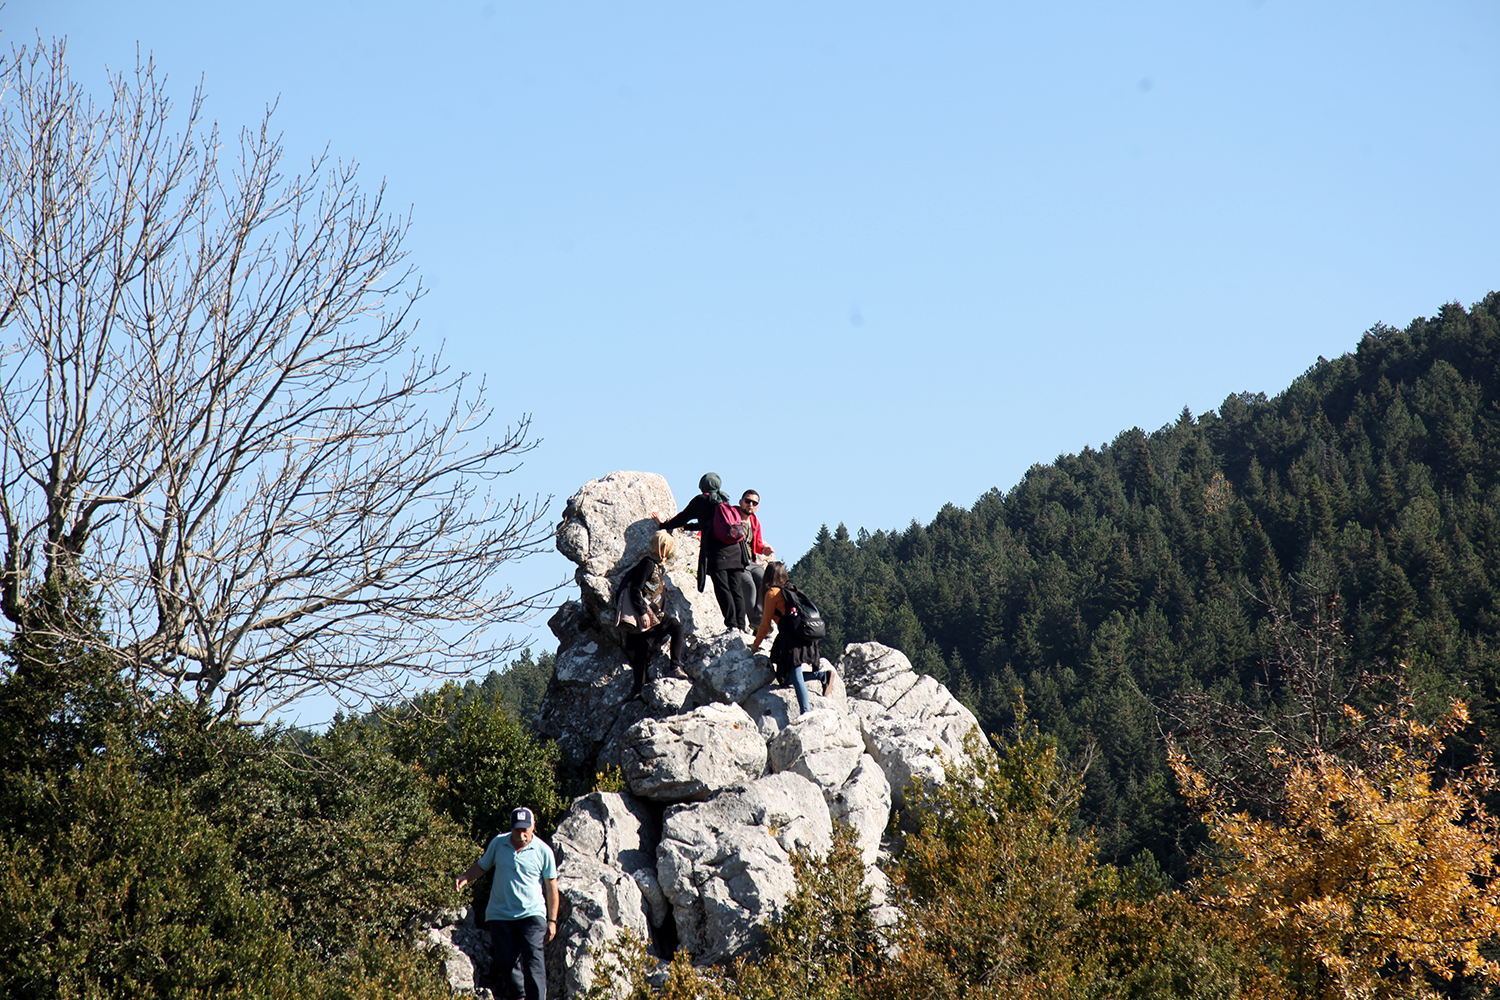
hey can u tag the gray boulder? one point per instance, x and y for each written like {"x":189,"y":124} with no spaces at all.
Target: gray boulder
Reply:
{"x":606,"y":863}
{"x":598,"y":903}
{"x":590,"y":684}
{"x":823,"y":746}
{"x":912,"y":725}
{"x":666,"y":695}
{"x":773,"y":709}
{"x":725,"y":865}
{"x":724,"y":670}
{"x":690,"y":756}
{"x":611,"y":828}
{"x":863,"y":803}
{"x":462,"y":948}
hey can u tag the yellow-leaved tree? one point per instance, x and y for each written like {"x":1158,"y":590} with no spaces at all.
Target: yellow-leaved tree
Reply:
{"x":1371,"y":877}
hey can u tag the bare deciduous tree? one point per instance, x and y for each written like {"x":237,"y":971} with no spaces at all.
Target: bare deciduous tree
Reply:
{"x":1313,"y":702}
{"x":212,"y":415}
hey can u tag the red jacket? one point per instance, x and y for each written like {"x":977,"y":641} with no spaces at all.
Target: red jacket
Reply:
{"x":757,"y":547}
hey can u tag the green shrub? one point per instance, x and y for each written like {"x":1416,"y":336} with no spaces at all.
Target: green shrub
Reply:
{"x":332,"y":824}
{"x":131,"y":894}
{"x":1001,"y":898}
{"x":483,"y":761}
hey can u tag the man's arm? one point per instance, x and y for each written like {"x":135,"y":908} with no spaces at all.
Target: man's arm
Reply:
{"x":761,"y":548}
{"x":549,"y":892}
{"x":474,"y":872}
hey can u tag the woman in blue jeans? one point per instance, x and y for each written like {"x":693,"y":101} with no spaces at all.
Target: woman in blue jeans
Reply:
{"x":788,"y":656}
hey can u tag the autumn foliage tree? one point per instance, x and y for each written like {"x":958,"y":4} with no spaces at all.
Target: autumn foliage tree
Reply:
{"x":1372,"y":879}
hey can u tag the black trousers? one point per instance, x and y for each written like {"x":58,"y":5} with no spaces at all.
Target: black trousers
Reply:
{"x":641,"y":646}
{"x":757,"y":573}
{"x":734,"y":591}
{"x":518,"y":963}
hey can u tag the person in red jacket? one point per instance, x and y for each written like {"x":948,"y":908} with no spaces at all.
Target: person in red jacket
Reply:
{"x":750,"y":507}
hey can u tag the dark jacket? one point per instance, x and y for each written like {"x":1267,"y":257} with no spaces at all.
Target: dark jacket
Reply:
{"x":642,"y":589}
{"x":698,"y":515}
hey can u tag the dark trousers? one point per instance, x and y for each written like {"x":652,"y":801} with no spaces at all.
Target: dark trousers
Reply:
{"x":757,"y":573}
{"x":732,"y":587}
{"x":641,"y":646}
{"x":518,"y":964}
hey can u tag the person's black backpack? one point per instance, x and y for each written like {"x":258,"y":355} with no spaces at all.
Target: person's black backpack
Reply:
{"x":801,"y":621}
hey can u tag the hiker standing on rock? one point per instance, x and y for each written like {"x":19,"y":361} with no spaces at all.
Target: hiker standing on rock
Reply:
{"x":793,"y":649}
{"x":642,"y":620}
{"x":522,"y":912}
{"x":722,"y":557}
{"x":749,"y":506}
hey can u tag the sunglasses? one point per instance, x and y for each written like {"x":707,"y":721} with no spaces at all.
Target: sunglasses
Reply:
{"x":749,"y":503}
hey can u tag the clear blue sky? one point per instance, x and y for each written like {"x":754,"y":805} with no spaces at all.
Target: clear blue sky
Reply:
{"x":870,"y":258}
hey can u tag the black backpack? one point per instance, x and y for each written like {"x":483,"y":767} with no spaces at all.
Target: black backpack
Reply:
{"x":801,"y":620}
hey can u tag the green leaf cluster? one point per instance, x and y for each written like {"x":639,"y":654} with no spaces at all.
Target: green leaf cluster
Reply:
{"x":482,"y":760}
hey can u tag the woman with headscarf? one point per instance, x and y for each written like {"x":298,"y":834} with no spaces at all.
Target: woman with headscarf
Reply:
{"x":643,"y":618}
{"x":721,"y":562}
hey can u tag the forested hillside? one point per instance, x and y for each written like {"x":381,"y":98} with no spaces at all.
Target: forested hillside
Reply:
{"x":1106,"y":581}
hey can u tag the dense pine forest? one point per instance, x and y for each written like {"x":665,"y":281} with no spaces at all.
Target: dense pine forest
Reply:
{"x":1107,"y":581}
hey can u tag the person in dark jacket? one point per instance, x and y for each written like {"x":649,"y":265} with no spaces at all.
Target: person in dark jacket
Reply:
{"x":642,"y":618}
{"x":722,"y":563}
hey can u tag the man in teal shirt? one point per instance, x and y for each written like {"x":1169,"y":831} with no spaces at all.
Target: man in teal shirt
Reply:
{"x":522,"y":912}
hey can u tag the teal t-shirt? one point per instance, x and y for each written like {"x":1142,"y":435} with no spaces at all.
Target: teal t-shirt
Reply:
{"x":517,"y":890}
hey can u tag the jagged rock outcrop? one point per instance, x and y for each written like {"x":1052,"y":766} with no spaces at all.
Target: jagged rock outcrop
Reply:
{"x":605,"y":529}
{"x":863,"y":804}
{"x":461,"y":946}
{"x":724,"y":670}
{"x":823,"y":746}
{"x":606,"y":878}
{"x":912,"y":724}
{"x":727,"y":780}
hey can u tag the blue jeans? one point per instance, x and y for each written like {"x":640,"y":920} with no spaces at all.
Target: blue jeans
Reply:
{"x":800,"y":684}
{"x":518,"y":963}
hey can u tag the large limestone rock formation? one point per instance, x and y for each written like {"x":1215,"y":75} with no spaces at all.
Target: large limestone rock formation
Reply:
{"x":726,"y":779}
{"x":605,"y":529}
